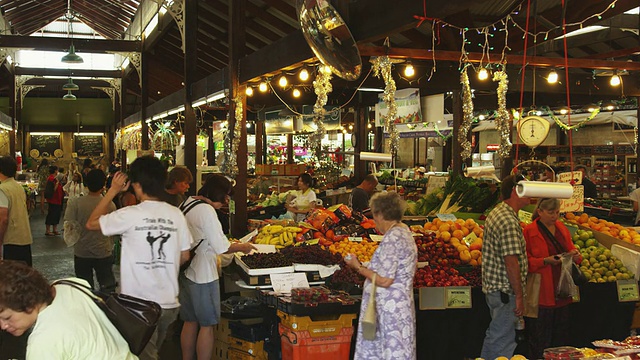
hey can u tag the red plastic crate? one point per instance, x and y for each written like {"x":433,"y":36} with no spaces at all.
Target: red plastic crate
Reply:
{"x":300,"y":345}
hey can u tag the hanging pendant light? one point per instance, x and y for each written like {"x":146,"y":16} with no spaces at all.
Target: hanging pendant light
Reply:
{"x":70,"y":86}
{"x":72,"y":57}
{"x":69,"y":96}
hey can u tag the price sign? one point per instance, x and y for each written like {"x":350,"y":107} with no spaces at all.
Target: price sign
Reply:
{"x":470,"y":239}
{"x":525,"y":216}
{"x":355,"y":238}
{"x":575,"y":203}
{"x":376,"y":238}
{"x":447,"y":217}
{"x":458,"y":297}
{"x":283,"y":283}
{"x":435,"y":183}
{"x":627,"y":290}
{"x":312,"y":242}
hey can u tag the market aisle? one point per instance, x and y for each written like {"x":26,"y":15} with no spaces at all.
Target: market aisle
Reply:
{"x":54,"y":260}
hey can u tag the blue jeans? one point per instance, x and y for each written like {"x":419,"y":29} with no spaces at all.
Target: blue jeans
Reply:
{"x":500,"y":338}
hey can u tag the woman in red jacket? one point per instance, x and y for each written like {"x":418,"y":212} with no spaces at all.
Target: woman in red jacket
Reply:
{"x":547,"y":241}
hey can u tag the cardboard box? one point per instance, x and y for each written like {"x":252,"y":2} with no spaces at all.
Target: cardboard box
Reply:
{"x":260,"y":169}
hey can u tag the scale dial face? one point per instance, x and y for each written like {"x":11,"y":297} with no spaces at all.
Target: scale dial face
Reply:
{"x":533,"y":130}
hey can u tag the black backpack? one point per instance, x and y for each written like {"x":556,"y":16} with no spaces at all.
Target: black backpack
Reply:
{"x":192,"y":252}
{"x":49,"y":189}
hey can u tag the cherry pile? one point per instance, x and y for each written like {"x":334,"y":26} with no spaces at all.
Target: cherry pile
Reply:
{"x":438,"y":276}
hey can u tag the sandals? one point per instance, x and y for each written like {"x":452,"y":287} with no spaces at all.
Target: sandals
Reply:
{"x":49,"y":234}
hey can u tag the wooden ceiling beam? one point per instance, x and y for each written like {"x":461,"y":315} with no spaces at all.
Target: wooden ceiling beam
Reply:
{"x":422,"y":54}
{"x":274,"y":21}
{"x":617,"y":53}
{"x":68,"y":72}
{"x":224,"y":23}
{"x":283,"y":7}
{"x":58,"y":43}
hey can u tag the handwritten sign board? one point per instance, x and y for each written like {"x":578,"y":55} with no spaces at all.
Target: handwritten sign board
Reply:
{"x":46,"y":144}
{"x":436,"y":182}
{"x":566,"y":177}
{"x":88,"y":145}
{"x":575,"y":203}
{"x":283,"y":283}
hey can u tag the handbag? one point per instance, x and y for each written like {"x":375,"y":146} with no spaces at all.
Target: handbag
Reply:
{"x":532,"y":295}
{"x":369,"y":321}
{"x":136,"y":319}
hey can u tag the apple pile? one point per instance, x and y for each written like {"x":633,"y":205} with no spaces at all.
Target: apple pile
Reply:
{"x":438,"y":276}
{"x":464,"y":235}
{"x":435,"y":251}
{"x":598,"y":264}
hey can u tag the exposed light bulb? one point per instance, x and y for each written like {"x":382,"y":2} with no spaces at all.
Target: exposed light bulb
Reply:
{"x":483,"y":74}
{"x":369,"y":125}
{"x":564,"y":111}
{"x":296,"y":93}
{"x":304,"y":74}
{"x":615,"y":80}
{"x":591,"y":108}
{"x":249,"y":91}
{"x":350,"y":127}
{"x":552,"y":78}
{"x":283,"y":81}
{"x":325,"y":69}
{"x":610,"y":107}
{"x":262,"y":87}
{"x":409,"y":71}
{"x":481,"y":117}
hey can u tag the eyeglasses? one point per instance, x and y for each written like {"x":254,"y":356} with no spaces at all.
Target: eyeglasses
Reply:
{"x":517,"y":179}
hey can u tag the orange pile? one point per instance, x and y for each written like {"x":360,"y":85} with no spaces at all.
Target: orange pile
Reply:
{"x":363,"y":250}
{"x":454,"y":232}
{"x":605,"y":227}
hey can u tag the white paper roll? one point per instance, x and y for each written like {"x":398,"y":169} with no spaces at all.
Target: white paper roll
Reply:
{"x":480,"y":171}
{"x":371,"y":156}
{"x":541,"y":189}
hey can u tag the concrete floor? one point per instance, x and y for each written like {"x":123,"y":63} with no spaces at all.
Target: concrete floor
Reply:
{"x":54,"y":260}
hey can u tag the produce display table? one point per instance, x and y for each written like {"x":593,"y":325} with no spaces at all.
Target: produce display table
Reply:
{"x":459,"y":333}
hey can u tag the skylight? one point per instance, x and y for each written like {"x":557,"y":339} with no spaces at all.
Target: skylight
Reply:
{"x":584,"y":30}
{"x":51,"y":60}
{"x":635,"y":11}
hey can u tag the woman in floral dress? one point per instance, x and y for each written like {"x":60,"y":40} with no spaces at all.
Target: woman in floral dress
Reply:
{"x":394,"y":264}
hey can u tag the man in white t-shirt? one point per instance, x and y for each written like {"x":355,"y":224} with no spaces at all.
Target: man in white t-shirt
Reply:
{"x":155,"y":241}
{"x":199,"y":285}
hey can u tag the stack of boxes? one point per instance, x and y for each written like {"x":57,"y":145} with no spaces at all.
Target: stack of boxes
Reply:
{"x":317,"y":337}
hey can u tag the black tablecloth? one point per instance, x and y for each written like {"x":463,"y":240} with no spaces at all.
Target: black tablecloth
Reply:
{"x":459,"y":333}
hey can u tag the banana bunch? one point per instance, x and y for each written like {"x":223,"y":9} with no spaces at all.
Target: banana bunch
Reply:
{"x":277,"y":235}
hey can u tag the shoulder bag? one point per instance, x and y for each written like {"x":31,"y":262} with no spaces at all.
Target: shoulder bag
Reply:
{"x":136,"y":319}
{"x":576,"y":274}
{"x":369,"y":321}
{"x":185,"y":208}
{"x":532,"y":295}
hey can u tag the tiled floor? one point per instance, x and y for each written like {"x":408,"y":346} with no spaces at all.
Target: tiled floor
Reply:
{"x":54,"y":260}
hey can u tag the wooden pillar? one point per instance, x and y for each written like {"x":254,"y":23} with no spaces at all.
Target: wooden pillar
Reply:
{"x":144,"y":101}
{"x":361,"y":132}
{"x":260,"y":141}
{"x":15,"y":113}
{"x":237,"y":45}
{"x":637,"y":147}
{"x":211,"y":151}
{"x":290,"y":149}
{"x":190,"y":77}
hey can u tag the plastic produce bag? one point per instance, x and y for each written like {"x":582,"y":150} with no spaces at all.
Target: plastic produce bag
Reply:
{"x":566,"y":288}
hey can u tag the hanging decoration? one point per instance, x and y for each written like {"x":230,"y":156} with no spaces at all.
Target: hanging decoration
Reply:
{"x":164,"y":138}
{"x":467,"y":115}
{"x":575,"y":127}
{"x":442,"y":136}
{"x":232,"y":141}
{"x":382,"y":68}
{"x":322,"y":87}
{"x":502,"y":115}
{"x":117,"y":140}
